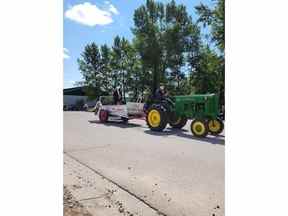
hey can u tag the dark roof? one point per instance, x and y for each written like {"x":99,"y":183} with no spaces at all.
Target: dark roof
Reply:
{"x":74,"y":91}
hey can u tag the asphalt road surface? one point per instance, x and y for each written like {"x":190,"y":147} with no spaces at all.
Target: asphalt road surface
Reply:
{"x":171,"y":172}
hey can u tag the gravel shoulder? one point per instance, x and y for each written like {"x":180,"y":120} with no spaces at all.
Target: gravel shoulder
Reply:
{"x":71,"y":207}
{"x":87,"y":193}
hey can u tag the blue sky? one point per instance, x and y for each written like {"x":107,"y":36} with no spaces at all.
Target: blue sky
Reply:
{"x":99,"y":21}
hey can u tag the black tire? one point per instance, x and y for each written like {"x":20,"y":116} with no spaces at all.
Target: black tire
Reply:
{"x":159,"y":125}
{"x":215,"y":126}
{"x":179,"y":123}
{"x":103,"y":116}
{"x":125,"y":120}
{"x":199,"y":128}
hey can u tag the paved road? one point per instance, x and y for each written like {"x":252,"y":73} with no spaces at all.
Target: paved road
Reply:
{"x":171,"y":171}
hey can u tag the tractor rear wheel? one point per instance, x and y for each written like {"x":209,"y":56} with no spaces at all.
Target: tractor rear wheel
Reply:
{"x":103,"y":116}
{"x":215,"y":126}
{"x":156,"y":118}
{"x":124,"y":120}
{"x":178,"y":123}
{"x":199,"y":128}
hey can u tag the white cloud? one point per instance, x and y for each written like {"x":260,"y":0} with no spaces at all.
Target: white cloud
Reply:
{"x":71,"y":82}
{"x":111,"y":8}
{"x":90,"y":15}
{"x":66,"y":53}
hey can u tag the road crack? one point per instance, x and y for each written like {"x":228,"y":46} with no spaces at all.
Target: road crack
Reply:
{"x":118,"y":185}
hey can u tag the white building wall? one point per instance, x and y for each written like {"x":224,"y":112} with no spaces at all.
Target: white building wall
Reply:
{"x":72,"y":99}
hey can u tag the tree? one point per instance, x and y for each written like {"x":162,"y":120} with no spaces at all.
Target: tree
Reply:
{"x":215,"y":18}
{"x":148,"y":33}
{"x":167,"y":47}
{"x":134,"y":76}
{"x":122,"y":62}
{"x":94,"y":65}
{"x":105,"y":69}
{"x":163,"y":33}
{"x":174,"y":38}
{"x":89,"y":65}
{"x":205,"y":78}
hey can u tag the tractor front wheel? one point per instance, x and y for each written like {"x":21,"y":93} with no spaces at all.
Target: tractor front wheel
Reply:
{"x":103,"y":116}
{"x":156,"y":118}
{"x":215,"y":126}
{"x":199,"y":128}
{"x":178,"y":123}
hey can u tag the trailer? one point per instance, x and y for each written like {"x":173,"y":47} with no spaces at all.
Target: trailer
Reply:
{"x":106,"y":110}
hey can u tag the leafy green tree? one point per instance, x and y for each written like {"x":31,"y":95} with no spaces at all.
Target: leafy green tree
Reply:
{"x":134,"y":78}
{"x":89,"y":65}
{"x":163,"y":33}
{"x":116,"y":61}
{"x":181,"y":40}
{"x":167,"y":47}
{"x":215,"y":19}
{"x":147,"y":21}
{"x":122,"y":63}
{"x":143,"y":75}
{"x":94,"y":64}
{"x":205,"y":79}
{"x":106,"y":69}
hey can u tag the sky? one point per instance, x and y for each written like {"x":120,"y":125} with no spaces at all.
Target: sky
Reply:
{"x":99,"y":21}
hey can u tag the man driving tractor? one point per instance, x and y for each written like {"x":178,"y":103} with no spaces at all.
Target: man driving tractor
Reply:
{"x":160,"y":93}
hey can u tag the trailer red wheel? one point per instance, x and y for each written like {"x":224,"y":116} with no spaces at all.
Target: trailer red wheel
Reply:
{"x":103,"y":116}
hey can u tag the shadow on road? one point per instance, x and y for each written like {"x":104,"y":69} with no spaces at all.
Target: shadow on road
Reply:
{"x":120,"y":124}
{"x":180,"y":133}
{"x":167,"y":132}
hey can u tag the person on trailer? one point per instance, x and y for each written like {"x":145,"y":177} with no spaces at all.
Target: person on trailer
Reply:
{"x":117,"y":96}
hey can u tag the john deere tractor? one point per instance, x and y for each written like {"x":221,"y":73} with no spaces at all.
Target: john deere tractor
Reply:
{"x":203,"y":109}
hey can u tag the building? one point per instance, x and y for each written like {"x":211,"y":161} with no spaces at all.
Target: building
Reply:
{"x":76,"y":95}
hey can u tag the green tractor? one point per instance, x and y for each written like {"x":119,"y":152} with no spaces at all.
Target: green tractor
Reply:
{"x":203,"y":109}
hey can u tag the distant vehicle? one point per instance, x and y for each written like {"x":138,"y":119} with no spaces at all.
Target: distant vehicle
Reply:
{"x":74,"y":108}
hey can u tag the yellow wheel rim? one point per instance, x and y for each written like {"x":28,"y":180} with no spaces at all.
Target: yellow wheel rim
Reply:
{"x":198,"y":128}
{"x":214,"y":125}
{"x":154,"y":118}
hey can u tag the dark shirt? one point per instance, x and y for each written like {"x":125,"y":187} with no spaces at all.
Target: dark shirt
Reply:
{"x":117,"y":97}
{"x":159,"y":94}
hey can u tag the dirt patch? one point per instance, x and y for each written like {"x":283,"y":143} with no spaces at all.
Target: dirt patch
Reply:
{"x":71,"y":207}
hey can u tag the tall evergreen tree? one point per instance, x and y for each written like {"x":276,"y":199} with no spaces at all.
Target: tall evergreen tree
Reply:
{"x":90,"y":67}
